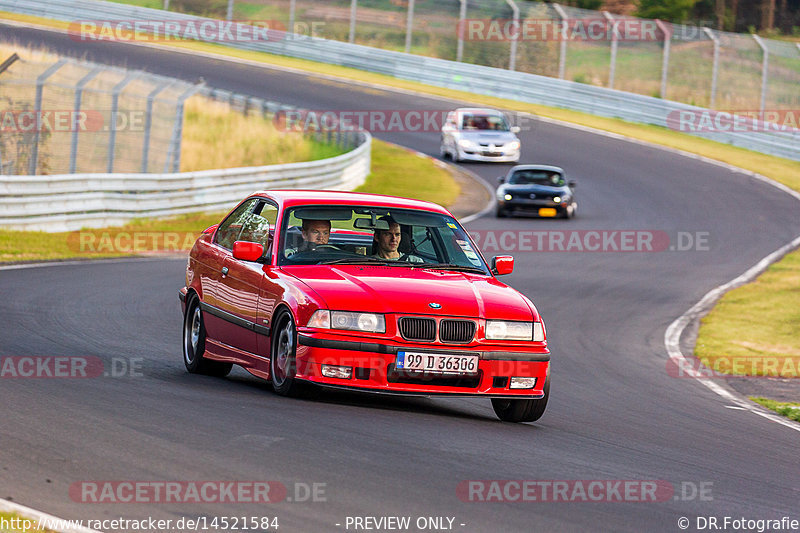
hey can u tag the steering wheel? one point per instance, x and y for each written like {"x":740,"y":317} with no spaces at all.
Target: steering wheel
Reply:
{"x":326,"y":247}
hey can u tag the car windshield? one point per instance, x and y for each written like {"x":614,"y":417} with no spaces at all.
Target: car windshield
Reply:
{"x":314,"y":235}
{"x":483,"y":121}
{"x":537,"y":177}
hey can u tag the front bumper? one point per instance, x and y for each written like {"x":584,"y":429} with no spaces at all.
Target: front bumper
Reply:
{"x":374,"y":369}
{"x":505,"y":157}
{"x":532,"y":206}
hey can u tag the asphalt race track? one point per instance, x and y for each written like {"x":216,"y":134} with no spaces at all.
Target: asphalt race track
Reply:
{"x":615,"y":413}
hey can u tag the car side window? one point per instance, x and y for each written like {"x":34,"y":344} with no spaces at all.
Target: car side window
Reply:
{"x":230,"y":228}
{"x":257,"y":226}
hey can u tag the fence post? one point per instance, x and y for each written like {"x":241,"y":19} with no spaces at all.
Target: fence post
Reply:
{"x":37,"y":108}
{"x":174,"y":150}
{"x":229,"y":14}
{"x":409,"y":25}
{"x":764,"y":72}
{"x":148,"y":122}
{"x":73,"y":151}
{"x":714,"y":67}
{"x":462,"y":16}
{"x":290,"y":29}
{"x":166,"y":5}
{"x":512,"y":59}
{"x":353,"y":7}
{"x":665,"y":57}
{"x":562,"y":47}
{"x":613,"y":66}
{"x":112,"y":138}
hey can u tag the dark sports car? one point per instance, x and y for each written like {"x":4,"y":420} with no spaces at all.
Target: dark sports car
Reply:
{"x":540,"y":190}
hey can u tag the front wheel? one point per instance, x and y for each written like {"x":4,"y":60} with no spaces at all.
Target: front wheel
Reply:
{"x":194,"y":344}
{"x":282,"y":363}
{"x":521,"y":410}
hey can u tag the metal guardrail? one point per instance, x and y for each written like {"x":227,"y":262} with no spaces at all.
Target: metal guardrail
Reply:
{"x":477,"y":79}
{"x":72,"y":201}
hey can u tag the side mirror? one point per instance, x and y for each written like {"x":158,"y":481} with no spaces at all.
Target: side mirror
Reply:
{"x":571,"y":184}
{"x":502,"y":264}
{"x":211,"y":229}
{"x":515,"y":129}
{"x":247,"y":251}
{"x":501,"y":179}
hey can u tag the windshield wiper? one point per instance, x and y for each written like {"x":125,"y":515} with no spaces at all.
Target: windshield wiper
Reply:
{"x":450,"y":266}
{"x":359,"y":261}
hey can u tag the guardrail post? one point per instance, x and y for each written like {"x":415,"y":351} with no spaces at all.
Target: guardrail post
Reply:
{"x":73,"y":150}
{"x":462,"y":17}
{"x":174,"y":150}
{"x":512,"y":59}
{"x":37,"y":107}
{"x":764,"y":72}
{"x":148,"y":122}
{"x":353,"y":7}
{"x":229,"y":14}
{"x":409,"y":25}
{"x":562,"y":47}
{"x":613,"y":65}
{"x":714,"y":66}
{"x":112,"y":138}
{"x":664,"y":57}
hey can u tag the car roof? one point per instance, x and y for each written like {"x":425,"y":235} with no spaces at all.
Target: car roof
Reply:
{"x":550,"y":168}
{"x":484,"y":110}
{"x":295,"y":197}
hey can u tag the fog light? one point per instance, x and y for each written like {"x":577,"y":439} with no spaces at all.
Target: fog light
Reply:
{"x":341,"y":372}
{"x":508,"y":197}
{"x":522,"y":383}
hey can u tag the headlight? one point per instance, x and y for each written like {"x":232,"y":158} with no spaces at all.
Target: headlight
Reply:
{"x":508,"y":197}
{"x":466,"y":144}
{"x":514,"y":331}
{"x":513,"y":145}
{"x":348,"y":320}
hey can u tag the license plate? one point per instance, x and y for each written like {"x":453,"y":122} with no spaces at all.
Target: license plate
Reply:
{"x":437,"y":363}
{"x":547,"y":212}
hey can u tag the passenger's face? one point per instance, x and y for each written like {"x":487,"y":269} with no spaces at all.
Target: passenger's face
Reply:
{"x":389,"y":240}
{"x":318,"y":231}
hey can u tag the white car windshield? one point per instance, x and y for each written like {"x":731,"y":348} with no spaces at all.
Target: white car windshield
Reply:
{"x":477,"y":121}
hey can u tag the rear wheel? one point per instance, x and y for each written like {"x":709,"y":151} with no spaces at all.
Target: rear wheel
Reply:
{"x":282,"y":363}
{"x":194,"y":344}
{"x":521,"y":410}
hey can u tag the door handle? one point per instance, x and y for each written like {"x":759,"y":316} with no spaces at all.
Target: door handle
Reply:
{"x":224,"y":271}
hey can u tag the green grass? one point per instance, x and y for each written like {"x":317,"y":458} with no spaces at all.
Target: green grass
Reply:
{"x":755,"y":329}
{"x":789,"y":410}
{"x":6,"y":519}
{"x":395,"y":171}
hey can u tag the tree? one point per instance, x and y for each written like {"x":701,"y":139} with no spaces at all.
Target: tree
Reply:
{"x":670,"y":10}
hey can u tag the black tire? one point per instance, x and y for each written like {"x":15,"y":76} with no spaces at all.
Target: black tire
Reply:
{"x":499,"y":212}
{"x":521,"y":410}
{"x":282,"y":363}
{"x":194,"y":344}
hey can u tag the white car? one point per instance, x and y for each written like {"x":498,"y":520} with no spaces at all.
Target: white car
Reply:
{"x":476,"y":134}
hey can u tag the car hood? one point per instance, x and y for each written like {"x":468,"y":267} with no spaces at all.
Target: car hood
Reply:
{"x":388,"y":289}
{"x":488,"y":136}
{"x":531,"y":188}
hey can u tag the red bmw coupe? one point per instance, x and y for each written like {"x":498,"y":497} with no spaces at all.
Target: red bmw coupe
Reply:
{"x":362,"y":292}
